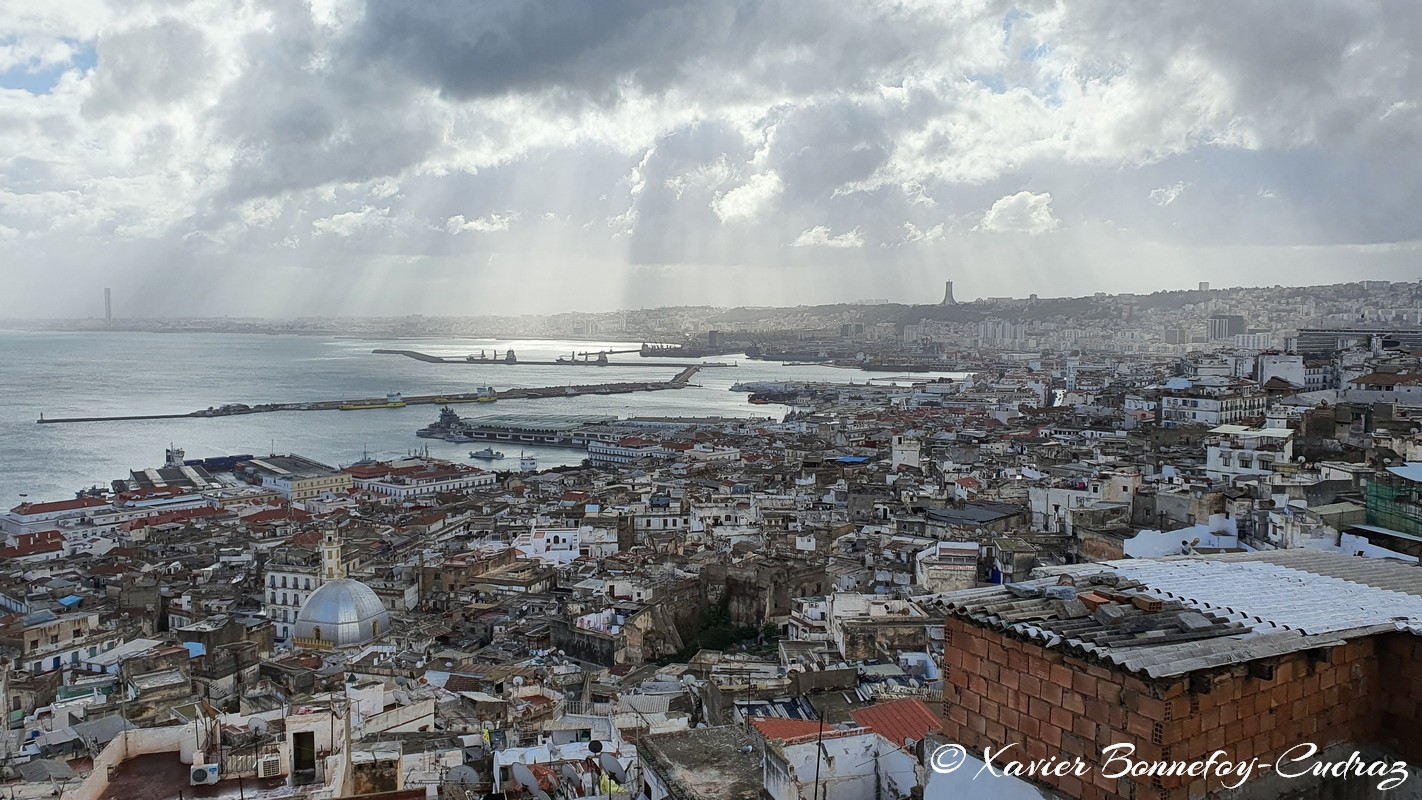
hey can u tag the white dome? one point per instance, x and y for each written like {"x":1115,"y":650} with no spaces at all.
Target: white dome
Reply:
{"x":343,"y":613}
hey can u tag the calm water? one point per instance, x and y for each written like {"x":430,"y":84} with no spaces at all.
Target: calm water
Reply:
{"x":89,"y":374}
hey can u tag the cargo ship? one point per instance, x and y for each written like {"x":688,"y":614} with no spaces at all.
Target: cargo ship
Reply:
{"x":392,"y":400}
{"x":484,"y":358}
{"x":685,"y":351}
{"x":786,"y":354}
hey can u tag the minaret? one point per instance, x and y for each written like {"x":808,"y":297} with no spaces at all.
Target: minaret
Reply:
{"x":331,"y":566}
{"x":948,"y":294}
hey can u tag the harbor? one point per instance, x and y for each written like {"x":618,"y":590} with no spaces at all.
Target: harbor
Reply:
{"x":680,"y":381}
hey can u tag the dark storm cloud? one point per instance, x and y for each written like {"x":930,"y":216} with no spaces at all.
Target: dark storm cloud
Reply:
{"x":496,"y":47}
{"x":298,"y":120}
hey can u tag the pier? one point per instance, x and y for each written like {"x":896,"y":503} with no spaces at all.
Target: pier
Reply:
{"x":581,"y":360}
{"x":680,"y":381}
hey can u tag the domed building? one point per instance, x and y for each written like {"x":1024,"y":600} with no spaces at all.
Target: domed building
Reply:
{"x":343,"y":612}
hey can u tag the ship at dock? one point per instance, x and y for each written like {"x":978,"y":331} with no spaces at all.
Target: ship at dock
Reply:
{"x":484,"y":358}
{"x":483,"y":394}
{"x":392,"y":400}
{"x":441,"y":428}
{"x":684,"y":351}
{"x":572,"y":430}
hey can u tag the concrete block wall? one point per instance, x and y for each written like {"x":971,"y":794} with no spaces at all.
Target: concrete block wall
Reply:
{"x":1001,"y":691}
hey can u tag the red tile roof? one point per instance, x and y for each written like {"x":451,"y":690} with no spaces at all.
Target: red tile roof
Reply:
{"x":778,"y":730}
{"x":896,"y":721}
{"x":59,"y":505}
{"x":32,"y":549}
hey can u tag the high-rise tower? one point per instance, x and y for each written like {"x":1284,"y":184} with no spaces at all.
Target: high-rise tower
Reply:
{"x":948,"y":294}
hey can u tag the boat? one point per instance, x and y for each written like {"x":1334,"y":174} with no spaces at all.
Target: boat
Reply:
{"x":486,"y":394}
{"x":392,"y":400}
{"x":448,"y":421}
{"x":527,"y":462}
{"x":487,"y":454}
{"x":459,"y":437}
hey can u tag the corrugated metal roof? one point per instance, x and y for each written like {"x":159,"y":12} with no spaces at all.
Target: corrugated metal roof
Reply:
{"x":1411,"y":471}
{"x":1213,"y":611}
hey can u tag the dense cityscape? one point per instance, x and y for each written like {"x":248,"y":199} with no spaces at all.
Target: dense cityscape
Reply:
{"x":1186,"y":522}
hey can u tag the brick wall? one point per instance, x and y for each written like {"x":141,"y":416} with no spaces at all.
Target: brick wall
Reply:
{"x":1000,"y":690}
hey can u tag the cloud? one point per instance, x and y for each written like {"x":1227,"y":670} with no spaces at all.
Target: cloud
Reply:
{"x":486,"y":224}
{"x":821,"y":236}
{"x":912,"y":234}
{"x":1023,"y":212}
{"x":1165,"y":195}
{"x":749,"y":200}
{"x":637,"y":139}
{"x":350,"y":223}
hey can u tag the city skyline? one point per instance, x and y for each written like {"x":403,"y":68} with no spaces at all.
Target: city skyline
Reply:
{"x":346,"y":158}
{"x":104,"y":309}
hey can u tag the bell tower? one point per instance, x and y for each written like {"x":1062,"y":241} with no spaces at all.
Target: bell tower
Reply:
{"x":331,"y":565}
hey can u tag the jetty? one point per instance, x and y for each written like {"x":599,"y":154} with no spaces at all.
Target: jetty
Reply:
{"x":681,"y":380}
{"x":578,"y":360}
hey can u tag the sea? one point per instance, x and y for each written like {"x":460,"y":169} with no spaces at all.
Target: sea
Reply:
{"x":68,"y":374}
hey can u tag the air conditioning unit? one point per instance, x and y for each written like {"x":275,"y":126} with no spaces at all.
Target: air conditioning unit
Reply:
{"x":269,"y":766}
{"x":203,"y":775}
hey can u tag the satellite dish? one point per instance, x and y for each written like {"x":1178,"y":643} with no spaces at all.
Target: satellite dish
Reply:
{"x":612,"y":767}
{"x":570,"y":775}
{"x":594,"y":747}
{"x":523,"y":776}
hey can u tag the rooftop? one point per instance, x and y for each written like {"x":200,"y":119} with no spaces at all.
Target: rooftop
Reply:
{"x":705,"y":763}
{"x":1173,"y":616}
{"x":161,"y":776}
{"x":899,"y":720}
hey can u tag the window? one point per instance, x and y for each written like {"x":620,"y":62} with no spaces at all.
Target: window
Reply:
{"x":316,"y":633}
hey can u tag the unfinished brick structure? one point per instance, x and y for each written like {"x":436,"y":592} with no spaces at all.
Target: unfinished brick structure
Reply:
{"x":1254,"y":664}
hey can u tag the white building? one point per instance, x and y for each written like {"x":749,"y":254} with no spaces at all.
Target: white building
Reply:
{"x":402,"y":484}
{"x":1212,"y":402}
{"x":555,"y":547}
{"x":711,"y":452}
{"x":1235,"y":450}
{"x":905,"y":451}
{"x":32,"y":517}
{"x":839,"y":765}
{"x":291,"y":576}
{"x":623,"y":451}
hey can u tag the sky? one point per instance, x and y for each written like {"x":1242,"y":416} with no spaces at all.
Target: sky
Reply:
{"x":530,"y":156}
